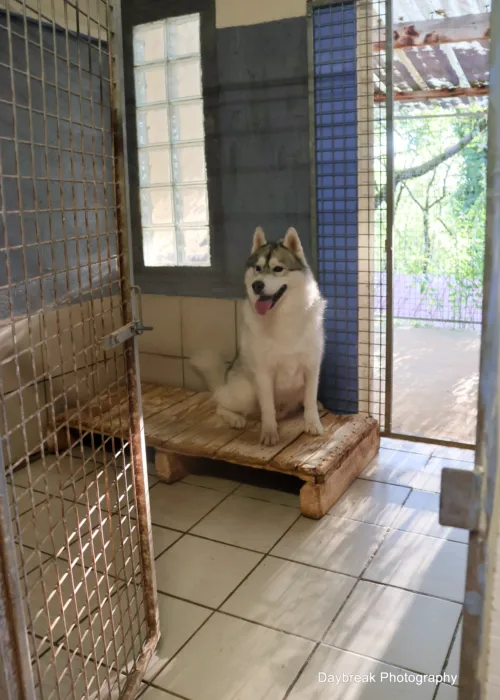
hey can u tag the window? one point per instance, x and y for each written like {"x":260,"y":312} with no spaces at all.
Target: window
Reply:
{"x":171,"y":143}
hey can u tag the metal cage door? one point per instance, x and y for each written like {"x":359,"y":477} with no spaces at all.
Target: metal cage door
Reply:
{"x":78,"y":614}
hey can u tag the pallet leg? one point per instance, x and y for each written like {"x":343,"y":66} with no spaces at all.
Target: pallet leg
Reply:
{"x":58,"y":440}
{"x":170,"y":467}
{"x":317,"y":499}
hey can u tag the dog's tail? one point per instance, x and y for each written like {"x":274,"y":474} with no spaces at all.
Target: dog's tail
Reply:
{"x":211,"y":367}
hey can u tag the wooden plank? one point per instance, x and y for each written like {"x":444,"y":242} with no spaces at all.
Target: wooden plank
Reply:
{"x":296,"y":454}
{"x":317,"y":499}
{"x":337,"y":447}
{"x":246,"y":448}
{"x":435,"y":32}
{"x":166,"y":424}
{"x":441,"y":94}
{"x":206,"y":437}
{"x":164,"y":399}
{"x":170,"y":467}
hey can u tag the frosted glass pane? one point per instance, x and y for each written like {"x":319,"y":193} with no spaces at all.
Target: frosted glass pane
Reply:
{"x":149,"y":43}
{"x":195,"y":246}
{"x":191,"y":205}
{"x":159,"y":247}
{"x":187,"y":121}
{"x":152,"y":126}
{"x":150,"y":85}
{"x":154,"y":167}
{"x":184,"y":78}
{"x":156,"y":206}
{"x":183,"y":36}
{"x":189,"y":163}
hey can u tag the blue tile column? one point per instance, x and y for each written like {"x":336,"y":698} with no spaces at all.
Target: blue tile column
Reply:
{"x":335,"y":94}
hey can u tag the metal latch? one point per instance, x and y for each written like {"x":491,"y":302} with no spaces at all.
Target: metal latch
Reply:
{"x":459,"y":504}
{"x":130,"y":330}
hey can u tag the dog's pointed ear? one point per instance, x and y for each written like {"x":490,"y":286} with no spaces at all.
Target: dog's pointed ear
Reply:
{"x":292,"y":242}
{"x":259,"y":239}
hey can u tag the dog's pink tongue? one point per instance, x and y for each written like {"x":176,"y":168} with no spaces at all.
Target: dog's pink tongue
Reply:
{"x":262,"y":307}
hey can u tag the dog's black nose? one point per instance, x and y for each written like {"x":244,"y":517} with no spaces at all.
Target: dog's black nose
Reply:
{"x":258,"y":286}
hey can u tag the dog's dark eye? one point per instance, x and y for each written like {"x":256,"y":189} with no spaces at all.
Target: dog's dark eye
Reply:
{"x":278,"y":268}
{"x":258,"y":268}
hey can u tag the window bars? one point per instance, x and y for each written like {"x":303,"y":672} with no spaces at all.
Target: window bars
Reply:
{"x":77,"y":536}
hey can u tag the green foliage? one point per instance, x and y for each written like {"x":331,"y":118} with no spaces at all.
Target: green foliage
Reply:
{"x":439,"y":222}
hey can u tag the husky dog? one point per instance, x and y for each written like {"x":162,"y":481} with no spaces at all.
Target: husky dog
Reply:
{"x":276,"y":370}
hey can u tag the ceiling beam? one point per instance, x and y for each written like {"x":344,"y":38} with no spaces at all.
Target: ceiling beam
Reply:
{"x":446,"y":30}
{"x":441,"y":94}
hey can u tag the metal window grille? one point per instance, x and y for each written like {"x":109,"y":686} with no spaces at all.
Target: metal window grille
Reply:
{"x":77,"y":592}
{"x":351,"y":110}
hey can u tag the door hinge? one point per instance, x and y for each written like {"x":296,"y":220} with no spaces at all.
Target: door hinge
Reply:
{"x":460,"y":502}
{"x":121,"y":335}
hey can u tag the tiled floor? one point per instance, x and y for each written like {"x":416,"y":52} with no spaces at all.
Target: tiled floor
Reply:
{"x":257,"y":602}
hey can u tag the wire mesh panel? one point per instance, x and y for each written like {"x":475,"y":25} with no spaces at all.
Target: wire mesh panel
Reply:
{"x":351,"y":105}
{"x":77,"y":503}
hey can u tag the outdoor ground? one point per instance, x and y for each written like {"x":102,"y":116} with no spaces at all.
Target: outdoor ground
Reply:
{"x":436,"y":374}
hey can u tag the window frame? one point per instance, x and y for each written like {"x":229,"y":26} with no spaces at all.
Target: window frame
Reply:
{"x":176,"y":280}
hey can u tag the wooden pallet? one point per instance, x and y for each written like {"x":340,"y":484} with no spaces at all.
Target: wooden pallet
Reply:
{"x":182,"y":425}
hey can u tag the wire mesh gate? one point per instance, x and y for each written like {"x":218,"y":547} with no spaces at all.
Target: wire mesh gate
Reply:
{"x":77,"y":591}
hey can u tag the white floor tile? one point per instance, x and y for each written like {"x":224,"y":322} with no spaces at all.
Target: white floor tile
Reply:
{"x":157,"y":694}
{"x":230,"y":658}
{"x":332,"y":543}
{"x":291,"y":597}
{"x":395,"y":467}
{"x":395,"y":626}
{"x":52,"y":474}
{"x":76,"y":677}
{"x":421,"y":448}
{"x":447,"y":692}
{"x":436,"y":464}
{"x":458,"y":453}
{"x":203,"y":571}
{"x":112,"y":547}
{"x":28,"y":559}
{"x":162,"y":539}
{"x":246,"y":522}
{"x":180,"y":506}
{"x":420,"y":514}
{"x":212,"y":482}
{"x":371,"y":502}
{"x":56,"y":522}
{"x":453,"y":665}
{"x":423,"y":564}
{"x":60,"y":594}
{"x":178,"y":622}
{"x":24,"y":499}
{"x":375,"y":683}
{"x":424,"y":481}
{"x":271,"y":495}
{"x":109,"y":488}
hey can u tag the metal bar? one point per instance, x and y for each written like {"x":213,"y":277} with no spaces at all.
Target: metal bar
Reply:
{"x":389,"y":328}
{"x":427,"y":440}
{"x":483,"y":541}
{"x":16,"y":674}
{"x":138,"y":446}
{"x":437,"y":94}
{"x":312,"y":134}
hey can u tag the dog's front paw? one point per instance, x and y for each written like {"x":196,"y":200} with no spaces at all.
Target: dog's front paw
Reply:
{"x":312,"y":425}
{"x":269,"y":435}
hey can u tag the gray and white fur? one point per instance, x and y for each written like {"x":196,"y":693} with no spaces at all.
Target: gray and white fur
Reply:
{"x":276,"y":371}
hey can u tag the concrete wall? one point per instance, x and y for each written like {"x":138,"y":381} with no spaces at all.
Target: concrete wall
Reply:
{"x":264,"y":127}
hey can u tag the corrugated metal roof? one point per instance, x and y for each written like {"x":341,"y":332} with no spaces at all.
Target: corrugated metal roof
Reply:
{"x":440,"y":66}
{"x":417,"y":10}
